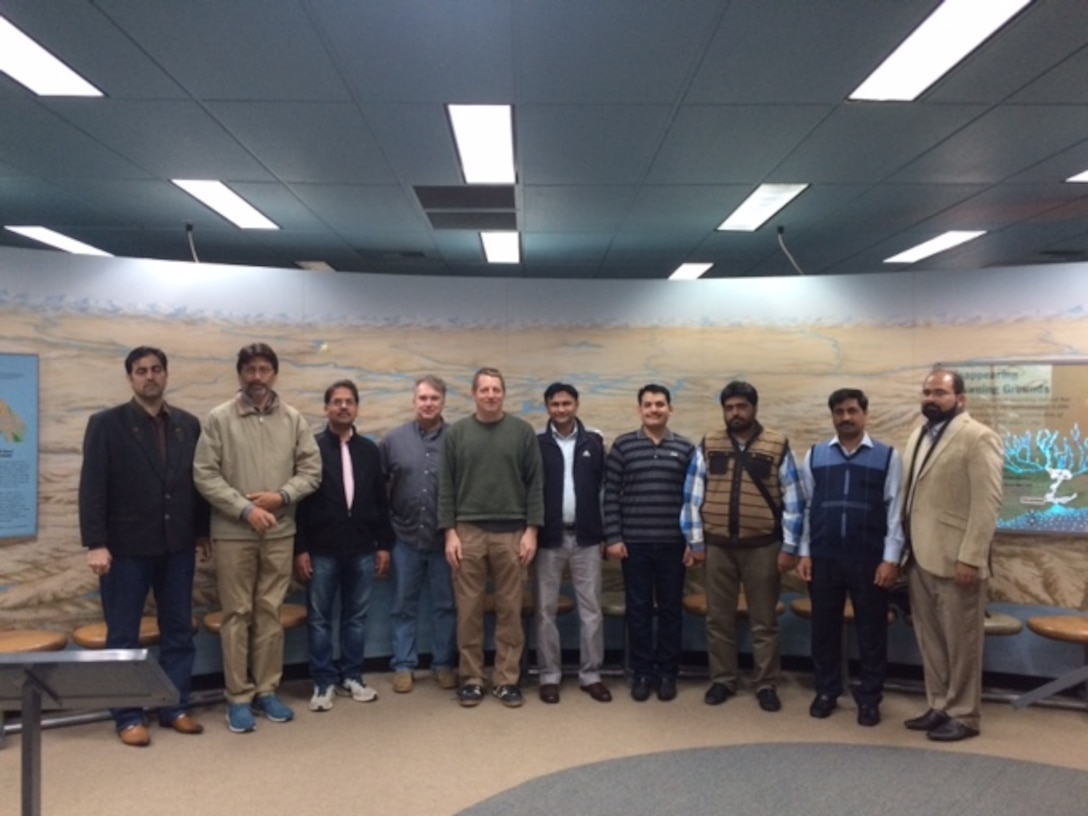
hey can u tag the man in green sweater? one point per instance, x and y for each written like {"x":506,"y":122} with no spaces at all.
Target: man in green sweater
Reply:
{"x":491,"y":504}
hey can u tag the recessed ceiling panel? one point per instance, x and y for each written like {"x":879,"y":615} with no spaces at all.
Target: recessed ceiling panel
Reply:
{"x":609,"y":51}
{"x":422,"y":51}
{"x":357,"y":210}
{"x":247,"y":49}
{"x":477,"y":220}
{"x":300,"y":141}
{"x":722,"y":144}
{"x":587,"y":144}
{"x":576,"y":208}
{"x":467,"y":197}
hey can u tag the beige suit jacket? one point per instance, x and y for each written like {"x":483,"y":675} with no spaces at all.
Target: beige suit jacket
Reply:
{"x":956,"y":497}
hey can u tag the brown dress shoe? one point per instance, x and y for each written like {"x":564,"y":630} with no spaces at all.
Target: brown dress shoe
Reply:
{"x":185,"y":724}
{"x":135,"y":735}
{"x":549,"y":693}
{"x":598,"y":691}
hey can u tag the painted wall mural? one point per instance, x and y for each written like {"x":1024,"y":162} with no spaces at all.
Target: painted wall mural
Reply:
{"x":795,"y":339}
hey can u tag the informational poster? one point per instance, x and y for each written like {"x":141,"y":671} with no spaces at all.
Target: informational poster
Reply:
{"x":18,"y":445}
{"x":1040,"y":410}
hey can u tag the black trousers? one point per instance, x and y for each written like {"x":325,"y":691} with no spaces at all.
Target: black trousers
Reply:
{"x":832,"y":581}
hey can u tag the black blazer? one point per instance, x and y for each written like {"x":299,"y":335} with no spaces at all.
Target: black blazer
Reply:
{"x":325,"y":525}
{"x":130,"y":500}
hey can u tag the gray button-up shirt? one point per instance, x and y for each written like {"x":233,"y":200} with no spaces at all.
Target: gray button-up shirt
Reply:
{"x":411,"y":461}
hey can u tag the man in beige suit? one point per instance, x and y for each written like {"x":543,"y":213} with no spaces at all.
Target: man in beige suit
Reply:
{"x":953,"y":476}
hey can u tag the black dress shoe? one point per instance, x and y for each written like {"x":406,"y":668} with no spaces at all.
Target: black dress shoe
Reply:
{"x":640,"y":689}
{"x":549,"y":693}
{"x":952,"y":731}
{"x":768,"y":699}
{"x":868,"y":714}
{"x":822,"y":706}
{"x":928,"y":721}
{"x":598,"y":691}
{"x":667,"y":690}
{"x":717,"y":694}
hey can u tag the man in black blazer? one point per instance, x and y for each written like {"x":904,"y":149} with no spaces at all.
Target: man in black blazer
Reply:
{"x":140,"y":518}
{"x":342,"y":543}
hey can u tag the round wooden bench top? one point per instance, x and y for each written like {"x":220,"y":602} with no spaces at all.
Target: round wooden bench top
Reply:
{"x":19,"y":641}
{"x":613,"y":604}
{"x":695,"y":604}
{"x":292,"y":616}
{"x":93,"y":635}
{"x":802,"y":608}
{"x":1070,"y":628}
{"x":564,"y":606}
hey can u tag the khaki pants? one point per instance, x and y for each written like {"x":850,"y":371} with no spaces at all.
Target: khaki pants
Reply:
{"x":949,"y":622}
{"x":253,"y":577}
{"x":496,"y":554}
{"x":727,"y":570}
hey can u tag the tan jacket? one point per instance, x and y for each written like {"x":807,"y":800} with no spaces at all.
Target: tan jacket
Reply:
{"x":953,"y":503}
{"x":241,"y":451}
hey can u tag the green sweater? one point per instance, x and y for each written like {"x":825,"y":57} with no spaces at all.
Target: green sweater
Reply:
{"x":491,"y":472}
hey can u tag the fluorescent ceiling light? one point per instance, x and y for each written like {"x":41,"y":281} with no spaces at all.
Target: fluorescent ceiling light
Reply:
{"x":690,"y":271}
{"x":935,"y":245}
{"x":55,"y":239}
{"x":1079,"y":178}
{"x":948,"y":35}
{"x":485,"y":142}
{"x":501,"y":247}
{"x":760,"y":206}
{"x":31,"y":65}
{"x":226,"y":202}
{"x":314,"y":266}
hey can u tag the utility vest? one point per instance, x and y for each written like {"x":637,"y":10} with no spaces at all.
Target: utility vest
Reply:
{"x":735,"y":513}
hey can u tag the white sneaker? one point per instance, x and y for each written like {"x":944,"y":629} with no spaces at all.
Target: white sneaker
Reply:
{"x":360,"y":692}
{"x":322,"y":699}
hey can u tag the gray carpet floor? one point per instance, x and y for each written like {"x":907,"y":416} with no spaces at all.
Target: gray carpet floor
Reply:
{"x":816,"y":779}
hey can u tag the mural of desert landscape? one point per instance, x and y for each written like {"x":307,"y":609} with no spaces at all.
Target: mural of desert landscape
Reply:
{"x":795,"y":339}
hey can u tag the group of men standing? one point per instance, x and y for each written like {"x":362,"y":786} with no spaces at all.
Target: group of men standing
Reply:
{"x":463,"y":509}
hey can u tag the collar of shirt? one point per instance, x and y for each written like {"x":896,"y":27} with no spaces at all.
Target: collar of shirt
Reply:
{"x":559,"y":437}
{"x":935,"y":429}
{"x":431,"y":434}
{"x":667,"y":437}
{"x":866,"y":442}
{"x":164,"y":410}
{"x":246,"y":405}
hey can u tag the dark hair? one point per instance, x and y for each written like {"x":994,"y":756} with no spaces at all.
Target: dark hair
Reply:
{"x":739,"y":388}
{"x":957,"y":381}
{"x":247,"y":354}
{"x":348,"y":384}
{"x":487,"y":372}
{"x":143,"y":351}
{"x":837,"y":398}
{"x":434,"y":381}
{"x":558,"y":388}
{"x":654,"y":388}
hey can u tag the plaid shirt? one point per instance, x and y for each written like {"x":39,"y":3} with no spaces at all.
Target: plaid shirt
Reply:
{"x":793,"y":503}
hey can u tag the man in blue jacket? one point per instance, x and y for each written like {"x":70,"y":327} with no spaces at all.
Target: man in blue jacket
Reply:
{"x":573,"y":532}
{"x":343,"y":542}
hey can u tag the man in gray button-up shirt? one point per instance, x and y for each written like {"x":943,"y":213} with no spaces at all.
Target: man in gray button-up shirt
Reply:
{"x":412,"y":459}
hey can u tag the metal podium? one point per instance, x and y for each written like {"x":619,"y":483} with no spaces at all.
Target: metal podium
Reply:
{"x":46,"y":681}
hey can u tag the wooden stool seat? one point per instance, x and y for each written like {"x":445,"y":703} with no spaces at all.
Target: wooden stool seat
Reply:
{"x":1068,"y":628}
{"x":564,"y":606}
{"x":31,"y":640}
{"x":292,"y":616}
{"x":93,"y":635}
{"x":802,"y":608}
{"x":613,"y":604}
{"x":695,"y":604}
{"x":998,"y":624}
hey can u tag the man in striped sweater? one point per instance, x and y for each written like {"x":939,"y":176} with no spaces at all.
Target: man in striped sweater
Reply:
{"x":643,"y":493}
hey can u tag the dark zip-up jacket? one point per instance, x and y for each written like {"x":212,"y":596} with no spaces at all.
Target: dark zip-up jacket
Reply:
{"x":588,"y":474}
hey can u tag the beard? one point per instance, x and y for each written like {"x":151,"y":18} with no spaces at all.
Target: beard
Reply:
{"x":935,"y":415}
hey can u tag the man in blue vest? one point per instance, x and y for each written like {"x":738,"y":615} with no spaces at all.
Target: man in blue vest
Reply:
{"x":851,"y":544}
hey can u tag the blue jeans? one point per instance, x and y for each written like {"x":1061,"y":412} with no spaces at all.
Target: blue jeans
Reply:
{"x":653,"y":576}
{"x":411,"y":567}
{"x":124,"y":592}
{"x":352,"y":577}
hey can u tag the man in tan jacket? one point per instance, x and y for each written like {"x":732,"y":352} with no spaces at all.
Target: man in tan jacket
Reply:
{"x":256,"y":460}
{"x":953,"y":496}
